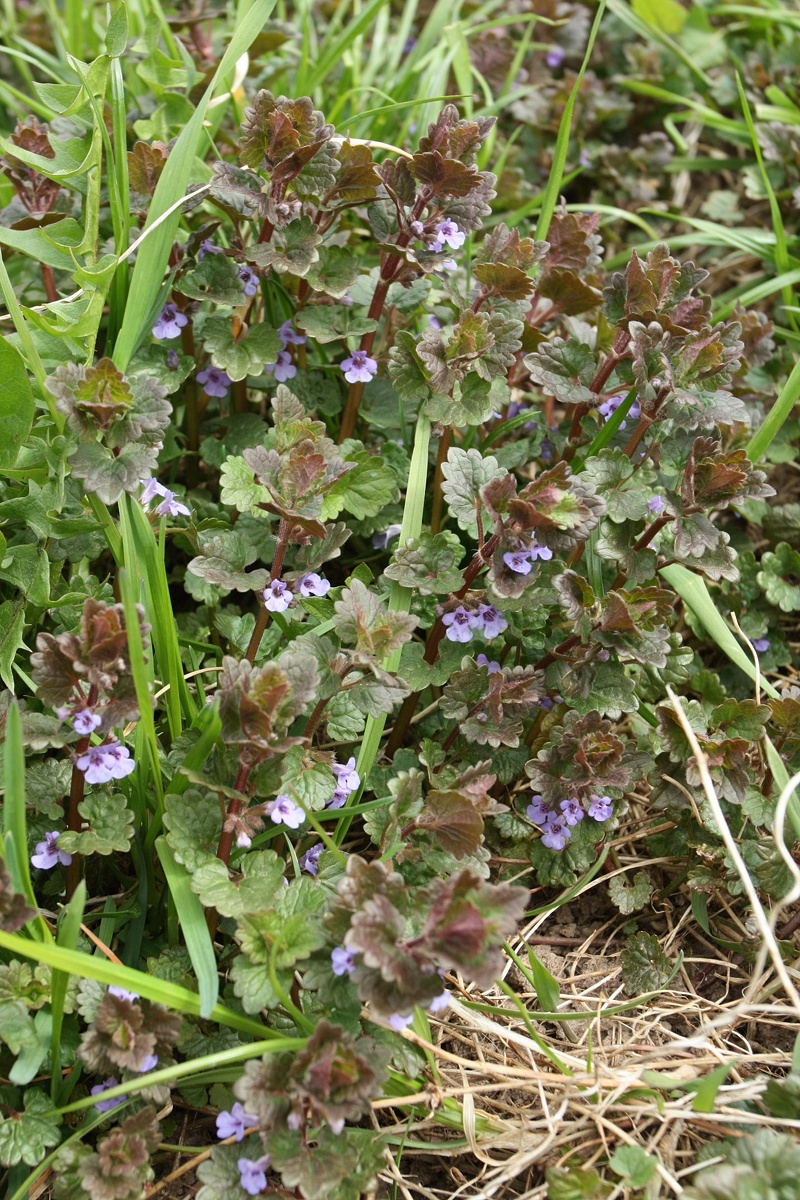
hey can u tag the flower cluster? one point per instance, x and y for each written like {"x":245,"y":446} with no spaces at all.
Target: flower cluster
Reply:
{"x":278,"y":596}
{"x":461,"y":623}
{"x":347,"y":781}
{"x":101,"y":764}
{"x":252,"y":1172}
{"x":522,"y":561}
{"x":556,"y":824}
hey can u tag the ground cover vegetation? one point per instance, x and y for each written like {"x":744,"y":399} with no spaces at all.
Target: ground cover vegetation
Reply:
{"x":399,"y":578}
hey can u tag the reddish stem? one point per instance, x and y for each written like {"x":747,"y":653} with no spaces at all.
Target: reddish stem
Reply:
{"x":438,"y":499}
{"x":48,"y":279}
{"x":235,"y":806}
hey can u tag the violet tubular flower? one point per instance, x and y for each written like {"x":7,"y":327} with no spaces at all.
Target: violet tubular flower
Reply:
{"x":600,"y":808}
{"x":309,"y":861}
{"x":539,"y":812}
{"x":101,"y":764}
{"x":655,"y":505}
{"x":571,"y":812}
{"x":277,"y":596}
{"x":489,"y":620}
{"x":171,"y":507}
{"x":233,"y":1123}
{"x":253,"y":1174}
{"x":47,"y":854}
{"x":491,"y":666}
{"x":359,"y":368}
{"x":86,"y":721}
{"x":556,"y":834}
{"x":381,"y":540}
{"x":347,"y":777}
{"x":106,"y":1105}
{"x":544,"y":553}
{"x":447,"y":232}
{"x":760,"y":645}
{"x":214,"y":382}
{"x":458,"y":625}
{"x":284,"y":811}
{"x":123,"y":994}
{"x":518,"y":561}
{"x":169,"y":323}
{"x":150,"y":489}
{"x":289,"y":336}
{"x":343,"y":961}
{"x":250,"y":280}
{"x":283,"y":368}
{"x":400,"y":1021}
{"x":313,"y":584}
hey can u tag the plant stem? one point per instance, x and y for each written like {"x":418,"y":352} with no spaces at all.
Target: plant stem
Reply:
{"x":262,"y":620}
{"x":441,"y":458}
{"x":390,"y":263}
{"x":239,"y":394}
{"x":643,"y":541}
{"x":48,"y":279}
{"x":192,"y":412}
{"x":76,"y":786}
{"x":234,"y":808}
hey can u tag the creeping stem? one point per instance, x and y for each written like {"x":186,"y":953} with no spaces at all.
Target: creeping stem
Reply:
{"x":76,"y":786}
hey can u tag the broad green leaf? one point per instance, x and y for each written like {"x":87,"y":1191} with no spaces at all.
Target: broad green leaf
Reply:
{"x":16,"y":404}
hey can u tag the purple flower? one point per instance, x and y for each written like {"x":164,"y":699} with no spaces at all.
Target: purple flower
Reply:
{"x":48,"y":855}
{"x":760,"y":645}
{"x":150,"y":489}
{"x":170,"y":322}
{"x":234,"y":1123}
{"x":399,"y":1022}
{"x":283,"y":368}
{"x":173,"y":362}
{"x":103,"y":763}
{"x":449,"y":264}
{"x":447,"y":232}
{"x":170,"y":507}
{"x":310,"y":860}
{"x":556,"y":834}
{"x":243,"y":840}
{"x":610,"y":406}
{"x":458,"y":625}
{"x":284,"y":811}
{"x":123,"y":994}
{"x":655,"y":504}
{"x":546,"y":450}
{"x":518,"y":561}
{"x":489,"y":621}
{"x":585,"y":158}
{"x":338,"y":799}
{"x":434,"y":322}
{"x":214,"y":382}
{"x":313,"y":585}
{"x":554,"y":56}
{"x":546,"y":703}
{"x":537,"y":551}
{"x":207,"y":247}
{"x":417,"y":227}
{"x":539,"y":812}
{"x":253,"y":1174}
{"x":343,"y":961}
{"x":440,"y":1003}
{"x":85,"y":722}
{"x":107,"y":1105}
{"x":288,"y":335}
{"x":491,"y":666}
{"x":347,"y":777}
{"x":250,"y":280}
{"x":359,"y":368}
{"x":277,"y":596}
{"x":572,"y":811}
{"x":381,"y":540}
{"x":149,"y":1064}
{"x":600,"y":807}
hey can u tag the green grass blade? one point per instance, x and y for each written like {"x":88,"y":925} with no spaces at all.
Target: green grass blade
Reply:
{"x":399,"y":597}
{"x":754,"y":294}
{"x":553,"y":189}
{"x":35,"y":364}
{"x":15,"y":830}
{"x":140,"y":540}
{"x":780,"y":412}
{"x":141,"y":683}
{"x":69,"y":927}
{"x":90,"y":966}
{"x":154,"y":252}
{"x":695,"y":595}
{"x":193,"y":927}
